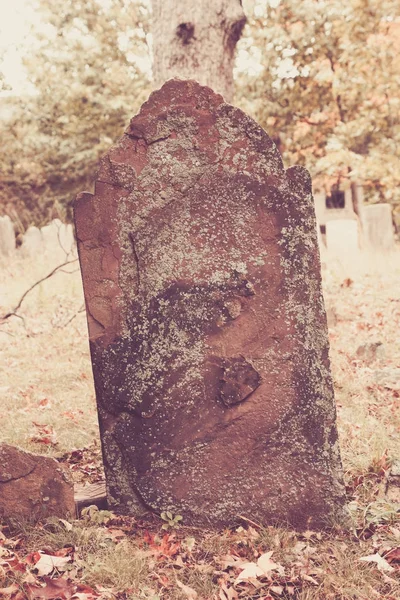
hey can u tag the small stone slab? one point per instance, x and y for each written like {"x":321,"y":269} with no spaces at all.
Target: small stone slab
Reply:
{"x":378,"y":227}
{"x":208,"y":334}
{"x":89,"y":495}
{"x":58,"y":238}
{"x":342,"y":237}
{"x":7,"y":236}
{"x":32,"y":242}
{"x":33,"y":487}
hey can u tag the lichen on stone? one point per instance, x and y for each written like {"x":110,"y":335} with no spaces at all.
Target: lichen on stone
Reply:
{"x":208,"y":333}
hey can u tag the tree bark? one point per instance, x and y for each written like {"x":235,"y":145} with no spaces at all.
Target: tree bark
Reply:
{"x":194,"y":39}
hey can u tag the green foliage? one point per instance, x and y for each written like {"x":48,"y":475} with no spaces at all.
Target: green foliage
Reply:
{"x":171,"y":521}
{"x":94,"y":515}
{"x":327,"y":87}
{"x":84,"y":66}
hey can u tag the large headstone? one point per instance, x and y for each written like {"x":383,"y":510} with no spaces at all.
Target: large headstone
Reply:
{"x":7,"y":236}
{"x":378,"y":227}
{"x":207,"y":327}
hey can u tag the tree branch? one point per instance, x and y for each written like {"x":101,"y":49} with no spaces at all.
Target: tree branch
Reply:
{"x":13,"y":313}
{"x":81,"y":310}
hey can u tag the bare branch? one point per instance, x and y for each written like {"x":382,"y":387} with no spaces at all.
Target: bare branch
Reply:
{"x":13,"y":313}
{"x":81,"y":310}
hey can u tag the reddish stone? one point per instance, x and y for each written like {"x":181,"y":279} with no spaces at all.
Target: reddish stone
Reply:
{"x":33,"y":487}
{"x":207,"y":327}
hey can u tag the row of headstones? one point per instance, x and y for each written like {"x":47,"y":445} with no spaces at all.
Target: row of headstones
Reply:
{"x":55,"y":239}
{"x":372,"y":231}
{"x":341,"y":235}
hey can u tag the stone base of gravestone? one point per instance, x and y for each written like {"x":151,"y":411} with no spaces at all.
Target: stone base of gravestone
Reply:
{"x":378,"y":227}
{"x":207,"y":327}
{"x":7,"y":236}
{"x":342,"y":237}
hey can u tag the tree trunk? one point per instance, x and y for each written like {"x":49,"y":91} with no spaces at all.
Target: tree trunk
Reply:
{"x":196,"y":40}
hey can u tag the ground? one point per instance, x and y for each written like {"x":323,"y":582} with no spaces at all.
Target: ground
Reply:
{"x":48,"y":406}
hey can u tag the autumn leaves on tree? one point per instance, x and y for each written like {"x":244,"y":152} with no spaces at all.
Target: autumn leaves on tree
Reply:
{"x":320,"y":77}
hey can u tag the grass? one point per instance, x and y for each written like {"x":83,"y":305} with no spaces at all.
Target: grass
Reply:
{"x":45,"y":370}
{"x":48,"y":406}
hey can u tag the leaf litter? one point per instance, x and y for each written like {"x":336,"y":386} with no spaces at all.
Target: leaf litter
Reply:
{"x":116,"y":558}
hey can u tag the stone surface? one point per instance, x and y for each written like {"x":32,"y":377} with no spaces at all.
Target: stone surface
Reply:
{"x":207,"y":327}
{"x":342,"y":237}
{"x":378,"y":227}
{"x":32,"y":241}
{"x":7,"y":236}
{"x":33,"y":487}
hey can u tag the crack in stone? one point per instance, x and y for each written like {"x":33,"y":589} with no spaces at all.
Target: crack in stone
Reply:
{"x":136,"y":258}
{"x":2,"y":481}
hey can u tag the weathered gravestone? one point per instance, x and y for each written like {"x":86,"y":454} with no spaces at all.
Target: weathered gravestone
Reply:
{"x":342,"y":237}
{"x":7,"y":236}
{"x":32,"y":241}
{"x":55,"y":240}
{"x":207,"y":327}
{"x":378,"y":227}
{"x":58,"y":239}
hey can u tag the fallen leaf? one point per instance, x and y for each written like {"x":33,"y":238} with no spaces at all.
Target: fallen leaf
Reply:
{"x":277,"y":589}
{"x":8,"y":591}
{"x":46,"y":564}
{"x":53,"y":588}
{"x":226,"y":593}
{"x":189,"y":592}
{"x":115,"y":534}
{"x":179,"y":562}
{"x":393,"y":555}
{"x":66,"y":524}
{"x":45,"y":434}
{"x":381,"y":563}
{"x":250,"y":571}
{"x":189,"y":543}
{"x":267,"y":565}
{"x":228,"y":560}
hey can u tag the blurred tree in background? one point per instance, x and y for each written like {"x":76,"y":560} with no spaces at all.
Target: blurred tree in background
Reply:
{"x":88,"y":84}
{"x":327,"y":87}
{"x":322,"y":77}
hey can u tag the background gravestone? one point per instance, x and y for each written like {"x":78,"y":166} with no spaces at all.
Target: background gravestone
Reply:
{"x":7,"y":236}
{"x":207,"y":328}
{"x":55,"y":240}
{"x":58,"y":238}
{"x":32,"y":241}
{"x":378,"y":227}
{"x":342,"y":237}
